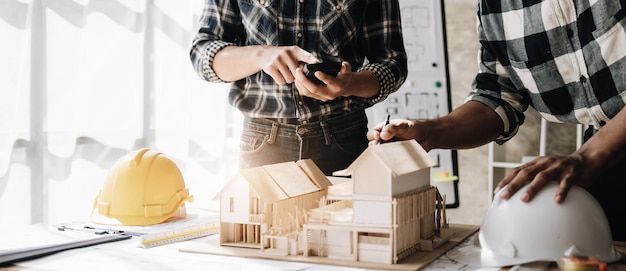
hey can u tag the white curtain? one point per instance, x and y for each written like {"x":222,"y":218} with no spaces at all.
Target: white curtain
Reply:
{"x":83,"y":82}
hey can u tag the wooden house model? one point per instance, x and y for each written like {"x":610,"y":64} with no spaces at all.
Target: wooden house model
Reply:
{"x":386,"y":211}
{"x":268,"y":200}
{"x":382,"y":210}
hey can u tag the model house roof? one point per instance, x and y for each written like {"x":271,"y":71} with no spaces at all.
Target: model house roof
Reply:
{"x":285,"y":180}
{"x":401,"y":157}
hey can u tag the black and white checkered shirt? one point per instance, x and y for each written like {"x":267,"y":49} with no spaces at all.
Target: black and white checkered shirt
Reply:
{"x":565,"y":58}
{"x":366,"y":33}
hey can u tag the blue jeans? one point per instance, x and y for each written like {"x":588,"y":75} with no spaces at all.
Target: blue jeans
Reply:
{"x":332,"y":144}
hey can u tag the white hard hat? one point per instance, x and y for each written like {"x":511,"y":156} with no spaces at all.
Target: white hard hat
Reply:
{"x":515,"y":232}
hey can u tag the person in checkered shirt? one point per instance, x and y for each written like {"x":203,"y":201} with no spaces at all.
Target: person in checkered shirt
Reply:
{"x":567,"y":60}
{"x":260,"y":47}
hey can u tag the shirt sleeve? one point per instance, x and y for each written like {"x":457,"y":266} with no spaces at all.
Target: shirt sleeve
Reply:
{"x":494,"y":88}
{"x":218,"y":28}
{"x":386,"y":54}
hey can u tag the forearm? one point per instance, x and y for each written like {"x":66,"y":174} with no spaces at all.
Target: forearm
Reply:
{"x":233,"y":63}
{"x":607,"y":146}
{"x":470,"y":125}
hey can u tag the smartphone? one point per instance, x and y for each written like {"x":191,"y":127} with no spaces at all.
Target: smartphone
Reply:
{"x":330,"y":68}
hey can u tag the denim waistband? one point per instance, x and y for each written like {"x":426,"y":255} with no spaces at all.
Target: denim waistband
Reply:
{"x":310,"y":129}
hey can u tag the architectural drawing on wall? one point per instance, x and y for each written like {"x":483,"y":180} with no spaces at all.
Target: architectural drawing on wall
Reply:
{"x":426,"y":92}
{"x":418,"y":20}
{"x":384,"y":212}
{"x":419,"y":105}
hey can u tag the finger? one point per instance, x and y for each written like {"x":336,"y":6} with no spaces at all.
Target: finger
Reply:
{"x":325,"y":78}
{"x":317,"y":92}
{"x":276,"y":74}
{"x":287,"y":73}
{"x":313,"y":90}
{"x":306,"y":57}
{"x":510,"y":190}
{"x":288,"y":62}
{"x":310,"y":89}
{"x":564,"y":187}
{"x":392,"y":130}
{"x":301,"y":82}
{"x":331,"y":89}
{"x":303,"y":89}
{"x":502,"y":184}
{"x":374,"y":134}
{"x":516,"y":180}
{"x":534,"y":187}
{"x":297,"y":79}
{"x":385,"y":135}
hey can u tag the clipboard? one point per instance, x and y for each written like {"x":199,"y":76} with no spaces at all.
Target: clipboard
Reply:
{"x":194,"y":225}
{"x":46,"y":240}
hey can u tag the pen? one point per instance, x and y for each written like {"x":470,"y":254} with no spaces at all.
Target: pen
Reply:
{"x":112,"y":231}
{"x":380,"y":140}
{"x":99,"y":231}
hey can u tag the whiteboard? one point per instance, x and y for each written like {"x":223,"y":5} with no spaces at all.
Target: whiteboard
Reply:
{"x":426,"y":92}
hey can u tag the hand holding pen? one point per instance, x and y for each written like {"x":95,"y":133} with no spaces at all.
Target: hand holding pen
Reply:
{"x":386,"y":123}
{"x":401,"y":129}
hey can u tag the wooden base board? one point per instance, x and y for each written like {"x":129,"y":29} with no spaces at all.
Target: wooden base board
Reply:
{"x":414,"y":262}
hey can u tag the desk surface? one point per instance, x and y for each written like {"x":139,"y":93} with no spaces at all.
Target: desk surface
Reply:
{"x":126,"y":255}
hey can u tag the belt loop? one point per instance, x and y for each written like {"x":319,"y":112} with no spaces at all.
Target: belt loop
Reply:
{"x":273,"y":133}
{"x":326,"y":131}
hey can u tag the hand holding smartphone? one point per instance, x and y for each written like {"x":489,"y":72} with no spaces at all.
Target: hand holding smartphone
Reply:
{"x":330,"y":68}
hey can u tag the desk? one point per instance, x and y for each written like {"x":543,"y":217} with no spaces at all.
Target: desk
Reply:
{"x":125,"y":255}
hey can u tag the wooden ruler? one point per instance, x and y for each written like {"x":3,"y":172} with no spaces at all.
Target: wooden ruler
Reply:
{"x":177,"y":235}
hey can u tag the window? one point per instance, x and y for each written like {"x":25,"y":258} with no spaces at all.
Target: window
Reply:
{"x":82,"y":83}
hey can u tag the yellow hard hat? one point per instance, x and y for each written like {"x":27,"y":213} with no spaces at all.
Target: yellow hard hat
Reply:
{"x":144,"y":187}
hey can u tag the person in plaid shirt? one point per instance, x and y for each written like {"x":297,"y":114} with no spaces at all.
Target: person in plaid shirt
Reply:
{"x":566,"y":59}
{"x":260,"y":46}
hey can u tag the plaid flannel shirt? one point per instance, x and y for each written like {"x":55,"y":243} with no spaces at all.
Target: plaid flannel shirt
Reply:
{"x":366,"y":33}
{"x":565,"y":58}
